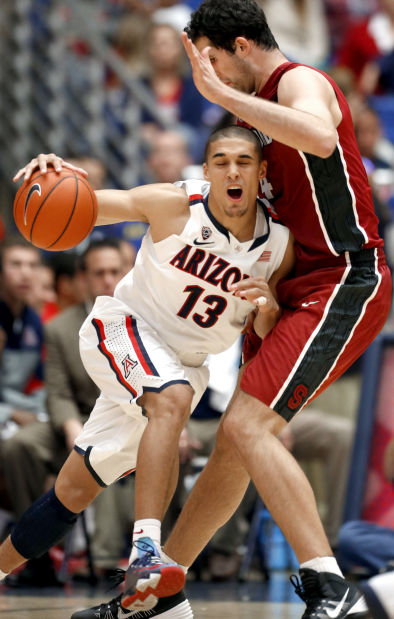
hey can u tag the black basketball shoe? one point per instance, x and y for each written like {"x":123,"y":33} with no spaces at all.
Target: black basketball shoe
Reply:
{"x":173,"y":607}
{"x":328,"y":596}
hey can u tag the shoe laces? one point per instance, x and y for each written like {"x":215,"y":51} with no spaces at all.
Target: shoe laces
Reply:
{"x":307,"y":589}
{"x":149,"y":555}
{"x":114,"y":610}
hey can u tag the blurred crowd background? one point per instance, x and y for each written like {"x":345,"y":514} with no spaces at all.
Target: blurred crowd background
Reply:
{"x":106,"y":85}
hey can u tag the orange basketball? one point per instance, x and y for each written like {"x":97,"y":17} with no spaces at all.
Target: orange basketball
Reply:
{"x":56,"y":210}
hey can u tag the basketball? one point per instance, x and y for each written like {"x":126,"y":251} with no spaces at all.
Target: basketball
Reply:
{"x":56,"y":210}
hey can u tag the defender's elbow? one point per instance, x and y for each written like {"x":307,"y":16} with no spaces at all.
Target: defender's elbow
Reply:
{"x":327,"y":145}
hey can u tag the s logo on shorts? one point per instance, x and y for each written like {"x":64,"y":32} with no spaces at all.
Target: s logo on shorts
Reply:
{"x":128,"y":365}
{"x":299,"y":395}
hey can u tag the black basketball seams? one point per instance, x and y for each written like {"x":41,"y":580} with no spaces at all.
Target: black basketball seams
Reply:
{"x":42,"y":204}
{"x":72,"y":210}
{"x":94,"y":210}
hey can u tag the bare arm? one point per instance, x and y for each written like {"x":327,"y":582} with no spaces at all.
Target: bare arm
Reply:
{"x":138,"y":204}
{"x":305,"y":117}
{"x":263,"y":294}
{"x":157,"y":204}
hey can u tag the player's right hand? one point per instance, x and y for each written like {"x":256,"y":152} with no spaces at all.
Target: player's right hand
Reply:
{"x":41,"y":163}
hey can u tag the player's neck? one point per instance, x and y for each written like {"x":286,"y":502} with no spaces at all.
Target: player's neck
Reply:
{"x":266,"y":62}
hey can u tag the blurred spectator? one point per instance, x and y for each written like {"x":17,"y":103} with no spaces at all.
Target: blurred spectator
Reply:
{"x":168,"y":78}
{"x":300,"y":29}
{"x":129,"y":255}
{"x":21,"y":338}
{"x":22,"y":396}
{"x":365,"y":546}
{"x":66,"y":286}
{"x":97,"y":173}
{"x":168,"y":156}
{"x":43,"y":294}
{"x":32,"y":455}
{"x":370,"y":139}
{"x":368,"y":40}
{"x":342,"y":14}
{"x":378,"y":158}
{"x":378,"y":76}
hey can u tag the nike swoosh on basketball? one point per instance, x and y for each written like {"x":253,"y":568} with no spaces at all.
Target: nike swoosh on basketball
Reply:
{"x":333,"y":613}
{"x":309,"y":303}
{"x":197,"y":242}
{"x":34,"y":188}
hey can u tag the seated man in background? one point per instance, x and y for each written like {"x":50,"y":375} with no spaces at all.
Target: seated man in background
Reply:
{"x":33,"y":454}
{"x":22,"y":395}
{"x":21,"y":336}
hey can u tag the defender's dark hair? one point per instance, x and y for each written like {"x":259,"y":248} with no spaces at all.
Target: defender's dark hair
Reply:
{"x":234,"y":131}
{"x":97,"y":244}
{"x":222,"y":21}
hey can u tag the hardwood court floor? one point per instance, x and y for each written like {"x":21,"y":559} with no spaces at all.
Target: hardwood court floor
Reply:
{"x":273,"y":600}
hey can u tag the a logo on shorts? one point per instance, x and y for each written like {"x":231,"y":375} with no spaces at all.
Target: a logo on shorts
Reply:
{"x":128,"y":365}
{"x":299,"y":395}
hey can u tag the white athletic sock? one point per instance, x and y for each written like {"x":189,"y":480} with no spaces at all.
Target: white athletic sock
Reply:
{"x":323,"y":564}
{"x":168,"y":559}
{"x":3,"y":575}
{"x":147,"y":527}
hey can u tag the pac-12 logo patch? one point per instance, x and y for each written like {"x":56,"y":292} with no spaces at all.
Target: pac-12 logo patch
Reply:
{"x":206,"y":232}
{"x":128,"y":365}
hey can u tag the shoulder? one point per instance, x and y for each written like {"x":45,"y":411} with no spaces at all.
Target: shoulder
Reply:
{"x":31,"y":318}
{"x":64,"y":322}
{"x":302,"y":80}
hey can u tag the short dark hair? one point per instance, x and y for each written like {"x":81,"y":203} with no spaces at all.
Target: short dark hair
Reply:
{"x":97,"y":244}
{"x":234,"y":131}
{"x":15,"y":240}
{"x":222,"y":21}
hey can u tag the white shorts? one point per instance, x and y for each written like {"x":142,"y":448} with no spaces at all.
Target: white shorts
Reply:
{"x":125,"y":357}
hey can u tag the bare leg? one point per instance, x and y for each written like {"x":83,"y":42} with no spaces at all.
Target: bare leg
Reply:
{"x":214,"y":498}
{"x":251,"y":426}
{"x":250,"y":430}
{"x":75,"y":488}
{"x":157,"y":459}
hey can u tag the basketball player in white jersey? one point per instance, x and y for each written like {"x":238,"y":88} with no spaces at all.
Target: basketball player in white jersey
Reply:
{"x":211,"y":258}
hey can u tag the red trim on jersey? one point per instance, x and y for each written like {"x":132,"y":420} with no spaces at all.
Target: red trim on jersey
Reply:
{"x":196,"y":196}
{"x":111,"y":358}
{"x":136,"y":347}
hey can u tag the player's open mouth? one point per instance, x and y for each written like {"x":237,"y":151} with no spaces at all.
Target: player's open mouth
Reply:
{"x":235,"y":193}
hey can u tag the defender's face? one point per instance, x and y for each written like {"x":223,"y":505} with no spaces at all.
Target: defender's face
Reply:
{"x":230,"y":68}
{"x":234,"y":171}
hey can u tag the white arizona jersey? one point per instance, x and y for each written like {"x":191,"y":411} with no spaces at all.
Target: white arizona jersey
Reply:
{"x":180,"y":286}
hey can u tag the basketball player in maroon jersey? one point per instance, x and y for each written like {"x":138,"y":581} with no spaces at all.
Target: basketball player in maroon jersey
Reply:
{"x":333,"y":307}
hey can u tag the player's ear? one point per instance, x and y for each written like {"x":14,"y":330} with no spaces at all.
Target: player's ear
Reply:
{"x":242,"y":47}
{"x":263,"y":169}
{"x":205,"y":171}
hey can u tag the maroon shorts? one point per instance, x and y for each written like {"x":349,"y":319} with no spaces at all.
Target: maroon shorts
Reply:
{"x":330,"y":316}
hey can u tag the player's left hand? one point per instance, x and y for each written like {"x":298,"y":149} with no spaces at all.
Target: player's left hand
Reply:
{"x":204,"y":76}
{"x":257,"y":291}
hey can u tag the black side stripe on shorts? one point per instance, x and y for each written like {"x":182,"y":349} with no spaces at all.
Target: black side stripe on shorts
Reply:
{"x":344,"y":310}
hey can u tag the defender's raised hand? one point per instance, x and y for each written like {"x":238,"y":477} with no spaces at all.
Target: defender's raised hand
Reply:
{"x":204,"y":76}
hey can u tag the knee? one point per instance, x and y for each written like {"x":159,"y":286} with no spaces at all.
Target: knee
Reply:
{"x":173,"y":406}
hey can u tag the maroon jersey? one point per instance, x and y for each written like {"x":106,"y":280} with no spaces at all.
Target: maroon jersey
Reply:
{"x":326,"y":203}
